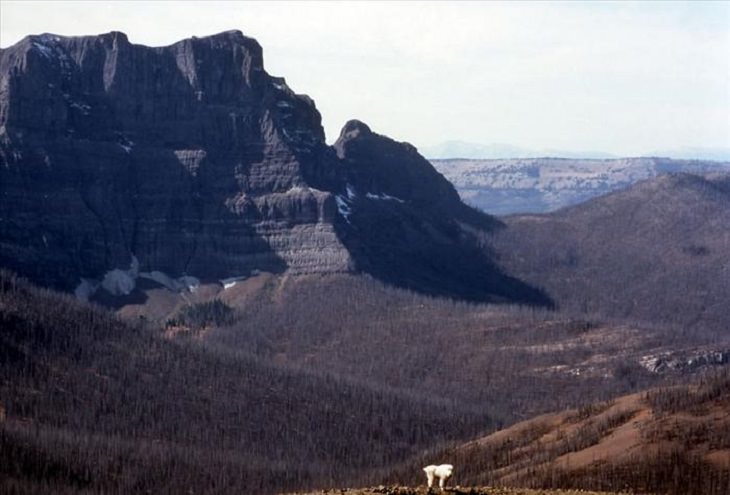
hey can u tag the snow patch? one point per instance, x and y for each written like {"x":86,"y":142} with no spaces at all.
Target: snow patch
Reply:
{"x":343,"y":207}
{"x":86,"y":289}
{"x":296,"y":189}
{"x":161,"y":278}
{"x":190,"y":283}
{"x":383,"y":196}
{"x":120,"y":282}
{"x":127,"y":146}
{"x":186,"y":283}
{"x":49,"y":38}
{"x":82,"y":107}
{"x":50,"y":49}
{"x":343,"y":202}
{"x":351,"y":194}
{"x":227,"y":283}
{"x":46,"y":51}
{"x":283,"y":104}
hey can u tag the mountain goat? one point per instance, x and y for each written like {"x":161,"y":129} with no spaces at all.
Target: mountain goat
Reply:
{"x":442,"y":472}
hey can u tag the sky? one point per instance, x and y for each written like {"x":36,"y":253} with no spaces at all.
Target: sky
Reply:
{"x":624,"y":78}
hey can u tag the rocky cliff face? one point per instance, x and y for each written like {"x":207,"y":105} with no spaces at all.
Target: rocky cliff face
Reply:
{"x":405,"y":224}
{"x":189,"y":162}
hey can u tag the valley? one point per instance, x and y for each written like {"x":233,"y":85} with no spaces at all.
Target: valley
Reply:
{"x":199,"y":294}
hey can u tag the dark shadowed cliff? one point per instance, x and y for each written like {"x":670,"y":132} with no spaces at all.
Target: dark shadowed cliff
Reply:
{"x":189,"y":162}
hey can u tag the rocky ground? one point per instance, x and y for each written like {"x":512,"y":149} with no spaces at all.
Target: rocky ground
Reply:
{"x":458,"y":490}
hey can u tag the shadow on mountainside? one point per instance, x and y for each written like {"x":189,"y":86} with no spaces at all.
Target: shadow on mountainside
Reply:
{"x":404,"y":223}
{"x":406,"y":249}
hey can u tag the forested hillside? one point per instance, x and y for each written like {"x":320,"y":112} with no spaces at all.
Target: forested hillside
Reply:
{"x":93,"y":403}
{"x":511,"y":361}
{"x":659,"y":252}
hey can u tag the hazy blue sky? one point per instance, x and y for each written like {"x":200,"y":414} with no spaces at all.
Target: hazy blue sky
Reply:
{"x":622,"y":77}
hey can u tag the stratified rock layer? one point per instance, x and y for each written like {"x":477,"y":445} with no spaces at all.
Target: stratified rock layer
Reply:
{"x":119,"y":160}
{"x":189,"y":157}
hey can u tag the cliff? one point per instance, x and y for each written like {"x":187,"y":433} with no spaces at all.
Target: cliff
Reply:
{"x":190,"y":163}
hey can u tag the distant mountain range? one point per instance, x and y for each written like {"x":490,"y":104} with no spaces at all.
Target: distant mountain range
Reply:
{"x":466,"y":149}
{"x":693,"y":153}
{"x":535,"y":185}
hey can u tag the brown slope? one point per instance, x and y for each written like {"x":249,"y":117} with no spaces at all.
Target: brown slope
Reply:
{"x":671,"y":440}
{"x":659,"y":251}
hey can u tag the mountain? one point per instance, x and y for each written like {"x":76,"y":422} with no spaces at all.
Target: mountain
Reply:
{"x":667,"y":440}
{"x":696,"y":153}
{"x":538,"y":185}
{"x":189,"y":163}
{"x":455,"y":149}
{"x":657,"y":252}
{"x":291,"y":315}
{"x":465,"y":149}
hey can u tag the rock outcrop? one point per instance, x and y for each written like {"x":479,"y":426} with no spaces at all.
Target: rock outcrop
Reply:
{"x":684,"y":361}
{"x":189,"y":162}
{"x":405,"y":224}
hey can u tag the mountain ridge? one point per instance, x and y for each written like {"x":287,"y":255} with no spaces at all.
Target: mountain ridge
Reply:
{"x":460,"y":150}
{"x":538,"y":185}
{"x":656,"y":251}
{"x":671,"y":440}
{"x":190,"y":163}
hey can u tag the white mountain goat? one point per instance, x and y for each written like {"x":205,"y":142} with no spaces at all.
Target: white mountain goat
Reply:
{"x":442,"y":472}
